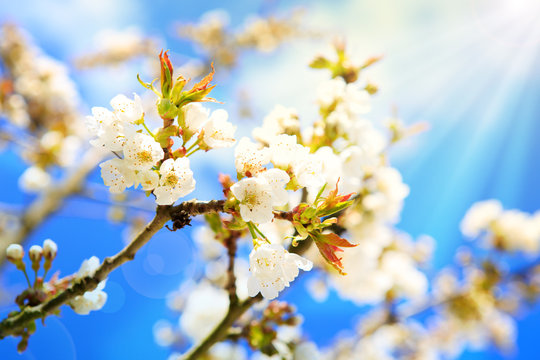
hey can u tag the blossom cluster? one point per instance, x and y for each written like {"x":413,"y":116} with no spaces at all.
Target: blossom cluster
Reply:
{"x":149,"y":160}
{"x":38,"y":97}
{"x":507,"y":230}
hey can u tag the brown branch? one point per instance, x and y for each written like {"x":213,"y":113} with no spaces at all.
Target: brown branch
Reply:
{"x":12,"y":325}
{"x":220,"y":332}
{"x":230,"y":243}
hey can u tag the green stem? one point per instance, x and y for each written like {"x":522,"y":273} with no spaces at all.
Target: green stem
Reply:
{"x":147,"y":129}
{"x":251,"y":230}
{"x":193,"y":145}
{"x":27,"y":278}
{"x":193,"y":152}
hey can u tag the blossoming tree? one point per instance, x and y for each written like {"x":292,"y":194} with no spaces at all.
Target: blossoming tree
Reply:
{"x":320,"y":196}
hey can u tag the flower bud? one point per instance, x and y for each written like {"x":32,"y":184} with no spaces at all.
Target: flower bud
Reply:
{"x":166,"y":109}
{"x":35,"y":254}
{"x":166,"y":74}
{"x":14,"y":253}
{"x":49,"y":249}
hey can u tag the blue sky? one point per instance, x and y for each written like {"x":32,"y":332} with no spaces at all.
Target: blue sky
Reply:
{"x":469,"y":68}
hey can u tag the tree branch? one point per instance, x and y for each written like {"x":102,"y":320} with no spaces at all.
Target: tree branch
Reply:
{"x":235,"y":311}
{"x":13,"y":324}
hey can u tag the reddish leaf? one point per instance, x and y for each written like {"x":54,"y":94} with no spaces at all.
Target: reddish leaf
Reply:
{"x":203,"y":84}
{"x":336,"y":240}
{"x":329,"y":254}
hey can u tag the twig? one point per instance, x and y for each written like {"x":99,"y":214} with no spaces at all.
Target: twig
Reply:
{"x":230,"y":242}
{"x":220,"y":332}
{"x":13,"y":324}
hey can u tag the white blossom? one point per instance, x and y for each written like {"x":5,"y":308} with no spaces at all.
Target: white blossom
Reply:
{"x":127,"y":110}
{"x":285,"y":150}
{"x":117,"y":175}
{"x":142,"y":151}
{"x":517,"y":231}
{"x":108,"y":128}
{"x":195,"y":115}
{"x":217,"y":131}
{"x":175,"y":182}
{"x":349,"y":98}
{"x":281,"y":120}
{"x":272,"y":269}
{"x":306,"y":351}
{"x":258,"y":195}
{"x":277,"y":179}
{"x":205,"y":307}
{"x":207,"y":243}
{"x":227,"y":351}
{"x":249,"y":159}
{"x":148,"y":179}
{"x":479,"y":217}
{"x":256,"y":200}
{"x":90,"y":300}
{"x":288,"y":155}
{"x":34,"y":179}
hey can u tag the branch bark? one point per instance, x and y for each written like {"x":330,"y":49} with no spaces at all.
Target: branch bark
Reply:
{"x":13,"y":324}
{"x":235,"y":312}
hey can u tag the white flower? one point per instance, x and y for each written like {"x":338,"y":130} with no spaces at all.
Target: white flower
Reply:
{"x":277,"y":179}
{"x":34,"y":179}
{"x":128,"y":110}
{"x":164,"y":333}
{"x":117,"y":175}
{"x":206,"y":241}
{"x":88,"y":267}
{"x":517,"y":231}
{"x":387,"y":192}
{"x":355,"y":100}
{"x":408,"y":280}
{"x":308,"y":169}
{"x":148,"y":179}
{"x":205,"y":307}
{"x":175,"y":182}
{"x":288,"y":155}
{"x":256,"y":200}
{"x":331,"y":172}
{"x":195,"y":115}
{"x":272,"y":269}
{"x":371,"y":140}
{"x":142,"y":151}
{"x":281,"y":120}
{"x":285,"y":150}
{"x":108,"y":128}
{"x":306,"y":351}
{"x":349,"y":98}
{"x":90,"y":300}
{"x":227,"y":351}
{"x":49,"y":249}
{"x":479,"y":217}
{"x":217,"y":132}
{"x":14,"y":252}
{"x":330,"y":91}
{"x":249,"y":159}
